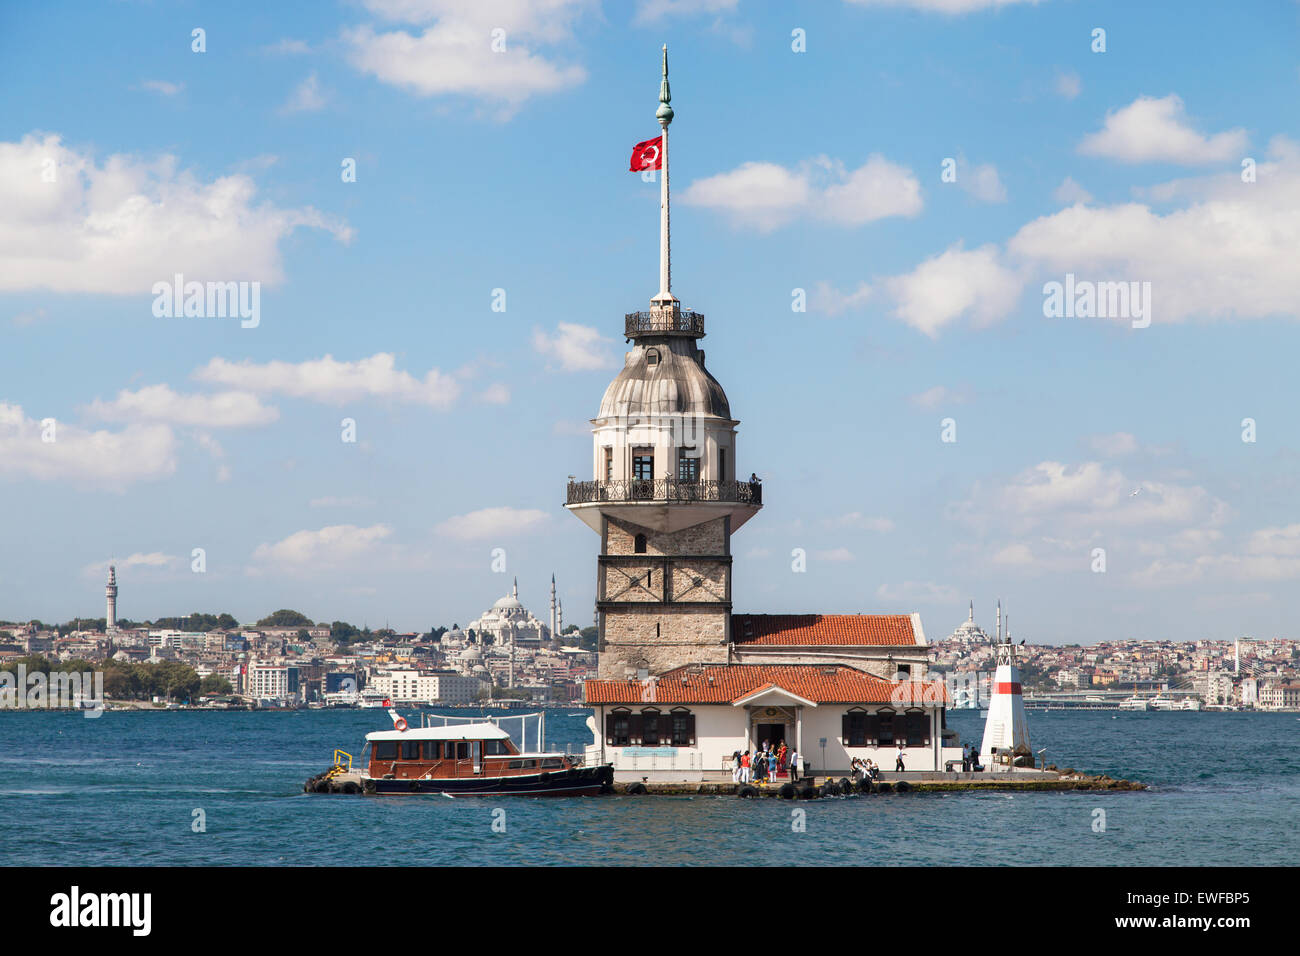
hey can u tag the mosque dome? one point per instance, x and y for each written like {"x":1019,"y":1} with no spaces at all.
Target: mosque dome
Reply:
{"x":664,"y":376}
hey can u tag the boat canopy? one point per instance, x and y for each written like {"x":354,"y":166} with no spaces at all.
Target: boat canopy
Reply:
{"x":461,"y":732}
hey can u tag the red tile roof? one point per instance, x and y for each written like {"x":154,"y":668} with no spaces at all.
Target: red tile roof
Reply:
{"x":725,"y":683}
{"x":809,"y":630}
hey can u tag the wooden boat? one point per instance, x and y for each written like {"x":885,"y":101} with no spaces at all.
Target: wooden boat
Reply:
{"x":477,"y":759}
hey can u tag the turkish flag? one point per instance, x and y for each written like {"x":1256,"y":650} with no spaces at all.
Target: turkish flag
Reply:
{"x":648,"y":155}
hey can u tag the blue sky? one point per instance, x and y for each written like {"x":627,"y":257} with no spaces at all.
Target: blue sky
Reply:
{"x":818,"y":170}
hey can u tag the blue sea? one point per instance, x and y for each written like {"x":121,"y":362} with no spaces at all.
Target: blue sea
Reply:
{"x":124,"y":789}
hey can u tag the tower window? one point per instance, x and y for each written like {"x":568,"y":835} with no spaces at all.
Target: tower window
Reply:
{"x":688,"y":465}
{"x":609,"y":463}
{"x":643,"y":464}
{"x":722,"y":464}
{"x":638,"y":545}
{"x":652,"y":357}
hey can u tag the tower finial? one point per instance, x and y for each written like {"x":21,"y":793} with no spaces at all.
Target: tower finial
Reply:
{"x":664,"y":299}
{"x":665,"y":112}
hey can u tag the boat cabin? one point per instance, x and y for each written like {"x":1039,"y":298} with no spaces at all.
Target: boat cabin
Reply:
{"x":468,"y":750}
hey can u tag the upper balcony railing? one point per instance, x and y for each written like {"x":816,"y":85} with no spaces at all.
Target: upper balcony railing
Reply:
{"x":664,"y":322}
{"x":665,"y":489}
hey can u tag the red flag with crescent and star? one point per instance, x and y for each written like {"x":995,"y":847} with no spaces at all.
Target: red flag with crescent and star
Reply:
{"x":647,"y":155}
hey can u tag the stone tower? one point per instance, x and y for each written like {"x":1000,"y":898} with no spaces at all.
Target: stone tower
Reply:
{"x":665,"y":498}
{"x":110,"y":595}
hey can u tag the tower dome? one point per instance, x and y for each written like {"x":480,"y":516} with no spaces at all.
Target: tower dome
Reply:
{"x":664,"y":376}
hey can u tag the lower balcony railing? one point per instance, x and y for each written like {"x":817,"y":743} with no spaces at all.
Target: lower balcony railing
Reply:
{"x":664,"y":489}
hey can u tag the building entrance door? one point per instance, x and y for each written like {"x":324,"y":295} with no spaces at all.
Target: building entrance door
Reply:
{"x":772,"y":733}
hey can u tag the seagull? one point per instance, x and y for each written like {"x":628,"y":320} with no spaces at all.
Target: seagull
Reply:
{"x":1134,"y":494}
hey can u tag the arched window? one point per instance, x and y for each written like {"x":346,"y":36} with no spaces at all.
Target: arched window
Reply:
{"x":618,"y":728}
{"x":638,"y":545}
{"x":887,"y":727}
{"x":650,"y":729}
{"x":683,"y":727}
{"x":854,"y":727}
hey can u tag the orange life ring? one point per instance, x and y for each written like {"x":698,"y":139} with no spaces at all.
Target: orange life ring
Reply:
{"x":400,"y":723}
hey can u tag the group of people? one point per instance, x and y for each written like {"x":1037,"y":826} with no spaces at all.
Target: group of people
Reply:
{"x":970,"y":761}
{"x":864,"y":769}
{"x":762,"y":765}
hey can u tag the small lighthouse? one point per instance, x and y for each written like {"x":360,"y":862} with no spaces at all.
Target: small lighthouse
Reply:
{"x":1005,"y":728}
{"x":110,"y":595}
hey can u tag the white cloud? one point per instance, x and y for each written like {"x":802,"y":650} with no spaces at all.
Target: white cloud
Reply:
{"x":981,"y":181}
{"x":918,"y":592}
{"x":121,"y":226}
{"x":138,"y":452}
{"x":576,"y":347}
{"x":1118,"y":443}
{"x":651,"y":11}
{"x":1282,"y":542}
{"x":951,"y":7}
{"x":1085,"y":498}
{"x":153,"y":559}
{"x":329,"y":546}
{"x":333,"y":501}
{"x":1156,"y":130}
{"x":307,"y":97}
{"x":31,"y":317}
{"x":1068,"y":84}
{"x":1014,"y":555}
{"x":1070,"y":192}
{"x":765,"y":196}
{"x":828,"y":300}
{"x":940,"y":395}
{"x":856,"y":520}
{"x":454,"y":54}
{"x":288,"y":47}
{"x":162,"y":86}
{"x":333,"y":382}
{"x":1228,"y":253}
{"x":492,"y":522}
{"x":495,"y":394}
{"x":836,"y":555}
{"x":956,"y":283}
{"x":158,"y":403}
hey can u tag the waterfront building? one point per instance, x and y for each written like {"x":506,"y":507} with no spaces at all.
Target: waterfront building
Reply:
{"x":682,"y":681}
{"x":272,"y":681}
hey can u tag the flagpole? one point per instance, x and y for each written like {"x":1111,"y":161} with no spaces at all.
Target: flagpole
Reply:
{"x":664,"y":115}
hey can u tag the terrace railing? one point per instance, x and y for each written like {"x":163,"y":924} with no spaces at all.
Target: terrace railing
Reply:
{"x":664,"y":489}
{"x":664,"y":322}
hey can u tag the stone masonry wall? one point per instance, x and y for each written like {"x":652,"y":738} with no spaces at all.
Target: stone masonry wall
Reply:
{"x":709,"y":537}
{"x":683,"y":636}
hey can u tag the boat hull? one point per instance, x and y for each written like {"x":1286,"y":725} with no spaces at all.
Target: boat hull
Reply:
{"x":577,"y":781}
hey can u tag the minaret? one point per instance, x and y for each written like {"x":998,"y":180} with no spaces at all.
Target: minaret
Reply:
{"x":515,"y":593}
{"x":665,"y":499}
{"x":999,"y":631}
{"x":560,"y":624}
{"x":555,"y":635}
{"x":110,"y":593}
{"x":971,"y":616}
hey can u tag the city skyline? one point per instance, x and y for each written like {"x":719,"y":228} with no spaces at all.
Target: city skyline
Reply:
{"x":418,"y":302}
